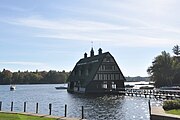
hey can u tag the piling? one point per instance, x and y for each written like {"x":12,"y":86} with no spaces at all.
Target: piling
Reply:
{"x":145,"y":95}
{"x":11,"y":106}
{"x":36,"y":108}
{"x":50,"y":108}
{"x":65,"y":111}
{"x":82,"y":112}
{"x":24,"y":106}
{"x":149,"y":103}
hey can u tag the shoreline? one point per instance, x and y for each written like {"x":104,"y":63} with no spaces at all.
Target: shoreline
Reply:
{"x":42,"y":115}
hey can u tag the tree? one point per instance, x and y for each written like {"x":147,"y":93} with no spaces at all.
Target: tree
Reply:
{"x":162,"y":70}
{"x":6,"y":77}
{"x":37,"y":77}
{"x":176,"y":50}
{"x":176,"y":66}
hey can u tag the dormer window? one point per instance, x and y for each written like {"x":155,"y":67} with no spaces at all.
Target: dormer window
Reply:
{"x":107,"y":59}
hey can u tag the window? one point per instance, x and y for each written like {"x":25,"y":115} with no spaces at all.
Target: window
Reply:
{"x":112,"y":76}
{"x":99,"y":76}
{"x":105,"y":76}
{"x":107,"y":59}
{"x":108,"y":76}
{"x":108,"y":67}
{"x":101,"y":68}
{"x":113,"y":85}
{"x":104,"y":85}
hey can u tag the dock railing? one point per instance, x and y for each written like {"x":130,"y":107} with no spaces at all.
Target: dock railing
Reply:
{"x":37,"y":108}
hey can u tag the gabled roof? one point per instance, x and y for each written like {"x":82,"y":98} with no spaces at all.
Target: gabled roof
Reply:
{"x":91,"y":64}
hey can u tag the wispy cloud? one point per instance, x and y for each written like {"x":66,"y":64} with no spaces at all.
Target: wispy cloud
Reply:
{"x":66,"y":24}
{"x":101,"y":31}
{"x":120,"y":28}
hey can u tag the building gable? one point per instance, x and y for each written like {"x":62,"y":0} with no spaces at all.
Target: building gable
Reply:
{"x":91,"y":73}
{"x":109,"y":70}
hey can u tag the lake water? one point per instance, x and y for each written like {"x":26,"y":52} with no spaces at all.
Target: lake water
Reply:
{"x":106,"y":107}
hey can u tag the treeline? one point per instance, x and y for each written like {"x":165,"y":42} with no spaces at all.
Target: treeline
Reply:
{"x":165,"y":69}
{"x":137,"y":78}
{"x":37,"y":77}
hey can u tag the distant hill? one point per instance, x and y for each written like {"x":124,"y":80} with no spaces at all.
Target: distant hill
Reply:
{"x":138,"y":78}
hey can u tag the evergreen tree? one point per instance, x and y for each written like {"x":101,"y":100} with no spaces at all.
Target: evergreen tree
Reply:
{"x":164,"y":69}
{"x":176,"y":50}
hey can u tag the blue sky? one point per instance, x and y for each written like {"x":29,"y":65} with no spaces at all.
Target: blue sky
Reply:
{"x":54,"y":34}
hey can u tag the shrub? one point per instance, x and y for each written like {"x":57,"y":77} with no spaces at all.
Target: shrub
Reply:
{"x":171,"y":104}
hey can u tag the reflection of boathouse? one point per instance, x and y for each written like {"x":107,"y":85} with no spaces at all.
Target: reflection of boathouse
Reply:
{"x":96,"y":74}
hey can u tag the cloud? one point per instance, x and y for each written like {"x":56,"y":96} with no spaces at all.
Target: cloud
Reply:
{"x":114,"y":39}
{"x":66,"y":24}
{"x":79,"y":30}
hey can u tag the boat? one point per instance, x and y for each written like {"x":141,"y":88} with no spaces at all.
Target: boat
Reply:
{"x":12,"y":87}
{"x":61,"y":87}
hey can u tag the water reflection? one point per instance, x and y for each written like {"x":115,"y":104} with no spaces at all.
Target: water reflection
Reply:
{"x":96,"y":107}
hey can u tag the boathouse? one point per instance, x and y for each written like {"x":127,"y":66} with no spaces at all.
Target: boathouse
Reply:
{"x":96,"y":74}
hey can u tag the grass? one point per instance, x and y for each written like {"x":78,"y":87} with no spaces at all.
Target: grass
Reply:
{"x":174,"y":111}
{"x":9,"y":116}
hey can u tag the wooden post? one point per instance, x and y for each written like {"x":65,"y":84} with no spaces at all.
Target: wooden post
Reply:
{"x":149,"y":103}
{"x":11,"y":106}
{"x":136,"y":94}
{"x":65,"y":111}
{"x":145,"y":95}
{"x":50,"y":108}
{"x":0,"y":105}
{"x":82,"y":112}
{"x":24,"y":106}
{"x":36,"y":108}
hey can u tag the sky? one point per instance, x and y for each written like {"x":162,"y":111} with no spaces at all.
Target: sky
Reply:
{"x":55,"y":34}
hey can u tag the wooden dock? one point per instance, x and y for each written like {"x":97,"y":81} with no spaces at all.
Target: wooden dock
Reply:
{"x":158,"y":94}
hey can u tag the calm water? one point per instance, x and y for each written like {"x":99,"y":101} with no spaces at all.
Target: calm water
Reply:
{"x":109,"y":107}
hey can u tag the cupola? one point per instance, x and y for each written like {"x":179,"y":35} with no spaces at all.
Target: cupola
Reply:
{"x":85,"y":55}
{"x":92,"y":52}
{"x":100,"y":51}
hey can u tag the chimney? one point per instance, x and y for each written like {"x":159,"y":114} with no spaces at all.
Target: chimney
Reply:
{"x":100,"y":51}
{"x":92,"y":52}
{"x":85,"y":55}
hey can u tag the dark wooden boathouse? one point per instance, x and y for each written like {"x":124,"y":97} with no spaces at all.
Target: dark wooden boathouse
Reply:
{"x":96,"y":74}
